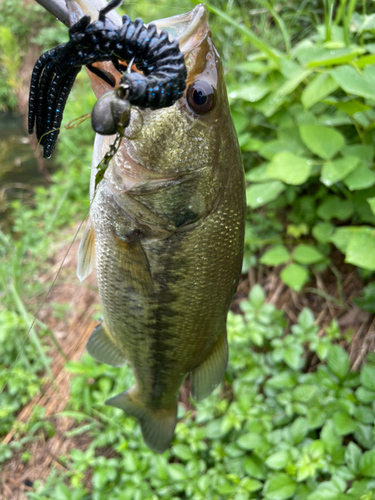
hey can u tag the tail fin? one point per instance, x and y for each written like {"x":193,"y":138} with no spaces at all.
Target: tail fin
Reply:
{"x":157,"y":425}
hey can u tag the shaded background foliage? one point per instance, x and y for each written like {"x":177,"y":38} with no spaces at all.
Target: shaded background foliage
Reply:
{"x":300,"y":80}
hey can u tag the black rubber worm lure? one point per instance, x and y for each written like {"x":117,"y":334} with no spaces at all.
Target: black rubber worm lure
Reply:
{"x":158,"y":57}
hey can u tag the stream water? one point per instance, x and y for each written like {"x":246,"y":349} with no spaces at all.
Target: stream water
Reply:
{"x":19,"y":172}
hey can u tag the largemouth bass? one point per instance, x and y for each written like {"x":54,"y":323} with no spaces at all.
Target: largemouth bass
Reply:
{"x":166,"y":237}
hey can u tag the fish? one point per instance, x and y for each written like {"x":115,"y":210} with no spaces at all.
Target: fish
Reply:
{"x":165,"y":234}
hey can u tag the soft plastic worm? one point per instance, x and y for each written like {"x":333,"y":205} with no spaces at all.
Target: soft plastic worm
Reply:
{"x":160,"y":84}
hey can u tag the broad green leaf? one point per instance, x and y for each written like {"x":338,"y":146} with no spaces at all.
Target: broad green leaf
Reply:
{"x":360,"y":249}
{"x":252,"y":92}
{"x":364,"y":414}
{"x":177,"y":472}
{"x":275,"y":256}
{"x":323,"y":141}
{"x":240,"y":121}
{"x":343,"y":423}
{"x":257,"y":296}
{"x":304,"y":392}
{"x":270,"y":103}
{"x":294,"y":276}
{"x":363,"y":61}
{"x":368,"y":377}
{"x":254,"y":467}
{"x":293,"y":82}
{"x":251,"y":441}
{"x":342,"y":236}
{"x":315,"y":417}
{"x":330,"y":437}
{"x":257,"y":174}
{"x":326,"y":490}
{"x":252,"y":144}
{"x":353,"y":82}
{"x":367,"y":464}
{"x":360,"y":151}
{"x":365,"y":395}
{"x":270,"y":148}
{"x":307,"y":254}
{"x":371,"y":202}
{"x":278,"y":460}
{"x":351,"y":107}
{"x":279,"y":487}
{"x":334,"y":207}
{"x":338,"y":56}
{"x":336,"y":170}
{"x":364,"y":435}
{"x":251,"y":485}
{"x":338,"y":362}
{"x":361,"y":178}
{"x":323,"y":231}
{"x":289,"y":168}
{"x":260,"y":194}
{"x":293,"y":356}
{"x":353,"y":455}
{"x":320,"y":87}
{"x":183,"y":451}
{"x":299,"y":429}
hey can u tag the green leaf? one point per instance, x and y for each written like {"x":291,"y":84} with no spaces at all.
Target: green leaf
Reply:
{"x":364,"y":414}
{"x":299,"y":429}
{"x":323,"y":231}
{"x":334,"y":207}
{"x":278,"y":460}
{"x":338,"y":56}
{"x":359,"y":251}
{"x":336,"y":170}
{"x":293,"y":356}
{"x":323,"y":141}
{"x":254,"y":467}
{"x":363,"y":61}
{"x":367,"y":377}
{"x":253,"y":92}
{"x":371,"y":202}
{"x":364,"y":436}
{"x":364,"y":153}
{"x":365,"y":395}
{"x":361,"y":178}
{"x":351,"y":107}
{"x":260,"y":194}
{"x":338,"y":362}
{"x":257,"y":296}
{"x":275,"y":256}
{"x":289,"y":168}
{"x":307,"y":254}
{"x":257,"y":174}
{"x":367,"y":464}
{"x":292,"y":83}
{"x":353,"y":455}
{"x":352,"y":82}
{"x":183,"y":452}
{"x":304,"y":392}
{"x":294,"y":276}
{"x":279,"y":487}
{"x":343,"y":423}
{"x":177,"y":472}
{"x":319,"y":88}
{"x":251,"y":441}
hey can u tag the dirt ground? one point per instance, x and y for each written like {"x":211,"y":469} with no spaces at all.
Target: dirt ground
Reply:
{"x":74,"y":329}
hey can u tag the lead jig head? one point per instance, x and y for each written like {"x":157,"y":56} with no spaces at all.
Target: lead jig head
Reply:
{"x":111,"y":113}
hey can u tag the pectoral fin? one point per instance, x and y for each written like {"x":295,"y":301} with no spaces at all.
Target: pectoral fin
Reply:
{"x":102,"y":347}
{"x":86,"y":252}
{"x":208,"y":375}
{"x":157,"y":425}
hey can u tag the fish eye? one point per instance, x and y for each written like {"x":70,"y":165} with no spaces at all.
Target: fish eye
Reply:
{"x":200,"y":97}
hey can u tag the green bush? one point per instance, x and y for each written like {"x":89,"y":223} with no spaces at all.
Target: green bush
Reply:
{"x":305,"y":124}
{"x":276,"y":432}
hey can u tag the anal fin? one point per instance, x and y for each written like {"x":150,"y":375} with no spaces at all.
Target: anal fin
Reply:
{"x":157,"y":425}
{"x":102,"y":347}
{"x":86,"y":252}
{"x":208,"y":375}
